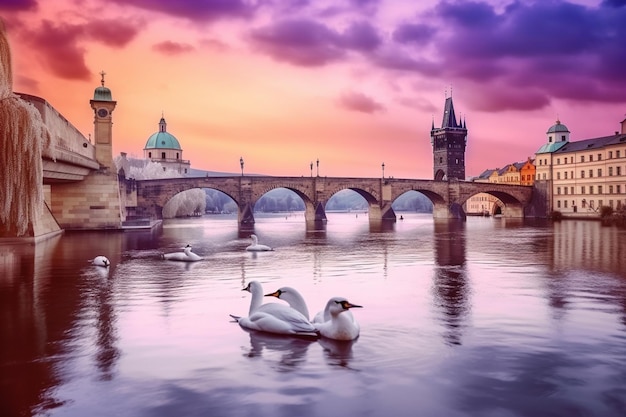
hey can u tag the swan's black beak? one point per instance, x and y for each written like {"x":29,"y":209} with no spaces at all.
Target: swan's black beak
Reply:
{"x":247,"y":288}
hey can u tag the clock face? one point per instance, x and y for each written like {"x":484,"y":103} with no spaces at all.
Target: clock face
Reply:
{"x":103,"y":112}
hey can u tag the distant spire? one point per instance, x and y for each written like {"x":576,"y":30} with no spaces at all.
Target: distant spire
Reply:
{"x":102,"y":73}
{"x":433,"y":123}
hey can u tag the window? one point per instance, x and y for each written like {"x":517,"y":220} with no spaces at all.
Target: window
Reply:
{"x":563,"y":138}
{"x":599,"y":157}
{"x":599,"y":189}
{"x":590,"y":158}
{"x":571,"y":190}
{"x":584,"y":203}
{"x":610,"y":189}
{"x":599,"y":172}
{"x":582,"y":189}
{"x":610,"y":154}
{"x":618,"y":189}
{"x":558,"y":190}
{"x":610,"y":171}
{"x":582,"y":158}
{"x":565,"y":189}
{"x":618,"y":171}
{"x":582,"y":174}
{"x":565,"y":173}
{"x":617,"y":155}
{"x":611,"y":203}
{"x":162,"y":155}
{"x":544,"y":176}
{"x":176,"y":155}
{"x":565,"y":203}
{"x":558,"y":204}
{"x":558,"y":175}
{"x":591,"y":189}
{"x":149,"y":154}
{"x":591,"y":173}
{"x":590,"y":203}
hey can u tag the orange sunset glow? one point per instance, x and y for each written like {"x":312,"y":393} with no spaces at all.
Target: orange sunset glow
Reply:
{"x":353,"y":83}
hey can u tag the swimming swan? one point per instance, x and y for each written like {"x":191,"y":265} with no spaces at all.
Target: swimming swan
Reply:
{"x":100,"y":261}
{"x":340,"y":326}
{"x":256,"y":247}
{"x":296,"y":301}
{"x":273,"y":317}
{"x":185,"y":256}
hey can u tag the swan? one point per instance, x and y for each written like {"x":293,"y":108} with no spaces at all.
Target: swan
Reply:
{"x":185,"y":256}
{"x":296,"y":301}
{"x":256,"y":247}
{"x":100,"y":261}
{"x":273,"y":317}
{"x":340,"y":326}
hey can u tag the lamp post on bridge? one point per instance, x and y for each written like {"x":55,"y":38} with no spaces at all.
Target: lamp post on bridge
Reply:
{"x":311,"y":168}
{"x":383,"y":170}
{"x":318,"y":167}
{"x":241,"y":163}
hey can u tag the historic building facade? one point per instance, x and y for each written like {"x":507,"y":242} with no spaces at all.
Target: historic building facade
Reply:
{"x":164,"y":148}
{"x":585,"y":175}
{"x":448,"y":144}
{"x":517,"y":173}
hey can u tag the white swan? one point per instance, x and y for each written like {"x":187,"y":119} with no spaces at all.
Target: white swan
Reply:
{"x":185,"y":256}
{"x":100,"y":261}
{"x":256,"y":247}
{"x":296,"y":301}
{"x":340,"y":326}
{"x":273,"y":317}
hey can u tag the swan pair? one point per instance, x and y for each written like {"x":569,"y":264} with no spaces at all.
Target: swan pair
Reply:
{"x":334,"y":322}
{"x":100,"y":261}
{"x":256,"y":246}
{"x":185,"y":256}
{"x":273,"y":317}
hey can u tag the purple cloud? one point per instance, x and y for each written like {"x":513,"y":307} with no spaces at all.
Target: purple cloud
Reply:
{"x":544,"y":50}
{"x":19,"y":5}
{"x":306,"y":42}
{"x":172,"y":48}
{"x":115,"y":33}
{"x":359,"y":102}
{"x":299,"y":42}
{"x":197,"y":10}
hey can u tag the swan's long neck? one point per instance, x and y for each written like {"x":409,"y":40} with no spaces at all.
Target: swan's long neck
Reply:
{"x":255,"y":240}
{"x":257,"y":298}
{"x":297,"y":303}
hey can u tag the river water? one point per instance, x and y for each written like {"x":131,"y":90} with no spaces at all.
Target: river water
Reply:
{"x":491,"y":317}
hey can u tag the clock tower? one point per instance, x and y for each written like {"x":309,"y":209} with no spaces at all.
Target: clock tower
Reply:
{"x":448,"y":144}
{"x":103,"y":106}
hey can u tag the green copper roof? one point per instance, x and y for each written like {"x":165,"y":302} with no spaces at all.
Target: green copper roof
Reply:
{"x":102,"y":94}
{"x":551,"y":147}
{"x":162,"y":139}
{"x":558,"y":127}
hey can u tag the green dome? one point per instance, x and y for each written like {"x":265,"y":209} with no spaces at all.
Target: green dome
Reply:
{"x":162,"y":139}
{"x":102,"y":94}
{"x":558,"y":127}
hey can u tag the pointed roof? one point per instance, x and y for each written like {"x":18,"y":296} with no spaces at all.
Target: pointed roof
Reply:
{"x":449,"y":118}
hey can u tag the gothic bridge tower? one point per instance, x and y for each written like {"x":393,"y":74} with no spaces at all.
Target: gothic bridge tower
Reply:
{"x":448,"y":144}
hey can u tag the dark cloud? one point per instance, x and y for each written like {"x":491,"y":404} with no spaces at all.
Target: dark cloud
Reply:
{"x":359,"y":102}
{"x":361,"y":36}
{"x":307,"y":42}
{"x":18,"y":5}
{"x":59,"y":50}
{"x":538,"y":50}
{"x":418,"y":33}
{"x":197,"y":10}
{"x":172,"y":48}
{"x":114,"y":33}
{"x":59,"y":45}
{"x":301,"y":42}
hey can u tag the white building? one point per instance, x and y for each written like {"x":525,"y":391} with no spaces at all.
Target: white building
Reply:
{"x":585,"y":175}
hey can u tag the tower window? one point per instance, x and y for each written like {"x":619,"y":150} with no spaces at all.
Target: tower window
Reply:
{"x":149,"y":154}
{"x":162,"y":155}
{"x":176,"y":155}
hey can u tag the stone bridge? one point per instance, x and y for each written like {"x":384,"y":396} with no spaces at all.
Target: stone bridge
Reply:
{"x":447,"y":196}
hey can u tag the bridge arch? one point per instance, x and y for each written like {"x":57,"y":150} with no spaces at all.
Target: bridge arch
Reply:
{"x":510,"y":204}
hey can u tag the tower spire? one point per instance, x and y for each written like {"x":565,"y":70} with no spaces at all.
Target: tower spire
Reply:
{"x":102,"y":73}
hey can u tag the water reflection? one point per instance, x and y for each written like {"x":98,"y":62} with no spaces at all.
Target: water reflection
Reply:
{"x":337,"y":352}
{"x":292,"y":350}
{"x":450,"y":286}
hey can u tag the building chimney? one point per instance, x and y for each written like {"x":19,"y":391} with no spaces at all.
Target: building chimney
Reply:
{"x":624,"y":127}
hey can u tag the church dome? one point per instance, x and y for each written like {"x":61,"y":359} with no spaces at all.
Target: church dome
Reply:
{"x":162,"y":139}
{"x":102,"y":94}
{"x":558,"y":127}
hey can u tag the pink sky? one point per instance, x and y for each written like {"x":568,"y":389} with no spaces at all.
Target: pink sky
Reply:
{"x":354,"y":83}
